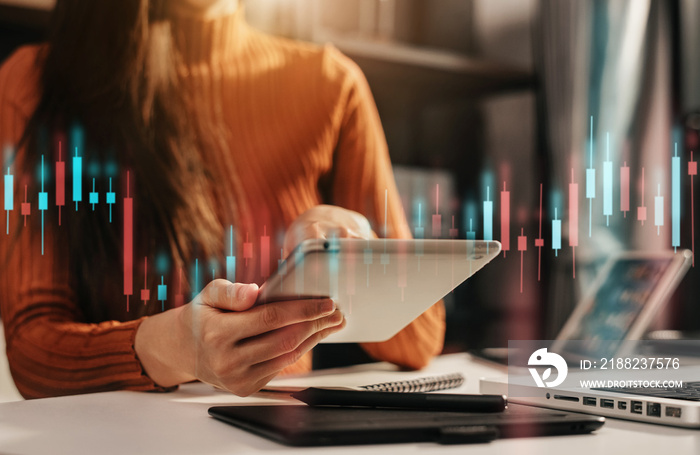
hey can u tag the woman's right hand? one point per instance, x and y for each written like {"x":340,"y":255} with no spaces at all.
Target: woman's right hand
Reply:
{"x":222,"y":339}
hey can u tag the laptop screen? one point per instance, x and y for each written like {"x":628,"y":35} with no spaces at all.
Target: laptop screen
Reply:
{"x":616,"y":305}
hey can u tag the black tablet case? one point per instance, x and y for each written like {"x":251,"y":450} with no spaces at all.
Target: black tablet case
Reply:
{"x":321,"y":426}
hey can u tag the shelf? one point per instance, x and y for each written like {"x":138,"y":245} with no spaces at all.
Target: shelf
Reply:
{"x":427,"y":72}
{"x":394,"y":68}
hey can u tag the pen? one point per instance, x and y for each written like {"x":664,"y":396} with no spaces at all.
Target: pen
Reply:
{"x":402,"y":400}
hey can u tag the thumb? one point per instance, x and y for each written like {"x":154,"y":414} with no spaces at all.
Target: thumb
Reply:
{"x":225,"y":295}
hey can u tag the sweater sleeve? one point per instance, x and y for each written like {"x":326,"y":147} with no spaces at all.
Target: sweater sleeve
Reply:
{"x":362,"y":174}
{"x":50,"y":351}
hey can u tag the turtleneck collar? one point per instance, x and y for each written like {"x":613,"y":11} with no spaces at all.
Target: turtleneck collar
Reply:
{"x":209,"y":38}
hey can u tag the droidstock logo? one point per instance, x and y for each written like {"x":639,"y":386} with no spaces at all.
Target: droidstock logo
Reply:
{"x":543,"y":358}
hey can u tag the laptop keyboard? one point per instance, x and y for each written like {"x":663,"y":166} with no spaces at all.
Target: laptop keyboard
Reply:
{"x":689,"y":392}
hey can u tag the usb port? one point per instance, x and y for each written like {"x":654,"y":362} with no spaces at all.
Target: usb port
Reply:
{"x":636,"y":407}
{"x":589,"y":401}
{"x":606,"y":403}
{"x":622,"y":405}
{"x":673,"y":411}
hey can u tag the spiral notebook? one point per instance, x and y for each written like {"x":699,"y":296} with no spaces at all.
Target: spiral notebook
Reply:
{"x":426,"y":384}
{"x":376,"y":381}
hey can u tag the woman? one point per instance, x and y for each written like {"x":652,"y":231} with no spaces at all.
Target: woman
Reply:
{"x":224,"y":133}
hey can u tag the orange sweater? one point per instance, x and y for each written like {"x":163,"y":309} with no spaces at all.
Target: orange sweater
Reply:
{"x":301,"y":118}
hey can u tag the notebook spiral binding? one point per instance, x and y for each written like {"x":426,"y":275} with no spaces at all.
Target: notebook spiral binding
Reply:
{"x":427,"y":384}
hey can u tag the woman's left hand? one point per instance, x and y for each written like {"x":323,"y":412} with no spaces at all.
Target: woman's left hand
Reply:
{"x":326,"y":221}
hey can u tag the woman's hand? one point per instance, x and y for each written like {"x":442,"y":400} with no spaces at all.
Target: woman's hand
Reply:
{"x":326,"y":221}
{"x":222,"y":339}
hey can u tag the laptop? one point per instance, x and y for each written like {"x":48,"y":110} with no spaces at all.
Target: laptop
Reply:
{"x":597,"y":365}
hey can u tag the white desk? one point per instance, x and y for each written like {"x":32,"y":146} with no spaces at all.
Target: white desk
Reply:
{"x":178,"y":423}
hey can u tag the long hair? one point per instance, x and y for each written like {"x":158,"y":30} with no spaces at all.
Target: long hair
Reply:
{"x":111,"y":67}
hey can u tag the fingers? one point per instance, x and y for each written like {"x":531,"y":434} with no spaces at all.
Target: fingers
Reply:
{"x":273,"y":316}
{"x":325,"y":221}
{"x":351,"y":233}
{"x":273,"y":366}
{"x":317,"y":230}
{"x":360,"y":227}
{"x":285,"y":340}
{"x":329,"y":230}
{"x":244,"y":367}
{"x":224,"y":295}
{"x":300,"y":232}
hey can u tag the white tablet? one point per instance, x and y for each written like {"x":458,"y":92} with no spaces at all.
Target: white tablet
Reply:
{"x":379,"y":285}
